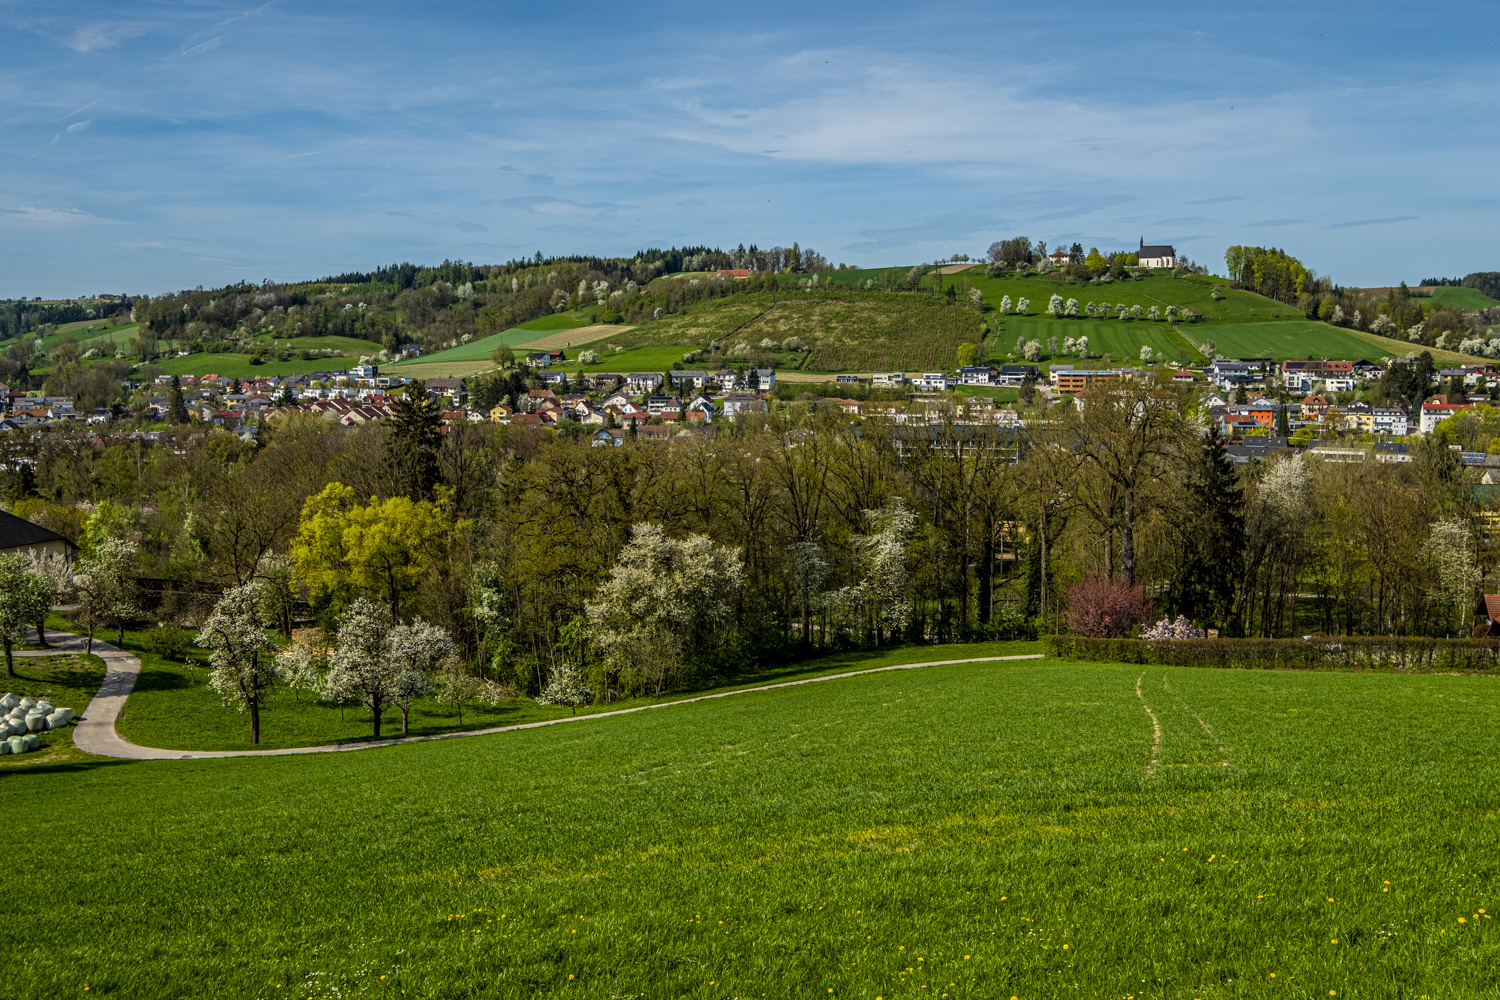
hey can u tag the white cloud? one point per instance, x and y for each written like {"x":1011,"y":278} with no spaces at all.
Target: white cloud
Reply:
{"x":104,"y":35}
{"x":32,"y":215}
{"x":79,"y":126}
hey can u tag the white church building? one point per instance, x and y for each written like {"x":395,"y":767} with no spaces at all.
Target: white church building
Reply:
{"x":1161,"y":256}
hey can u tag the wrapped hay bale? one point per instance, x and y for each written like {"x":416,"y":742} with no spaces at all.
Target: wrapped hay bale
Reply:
{"x":32,"y":741}
{"x":36,"y":721}
{"x":60,"y":718}
{"x":27,"y":703}
{"x":9,"y":701}
{"x":45,"y":707}
{"x":17,"y":744}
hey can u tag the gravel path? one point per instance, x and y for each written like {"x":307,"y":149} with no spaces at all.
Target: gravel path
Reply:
{"x":95,"y":732}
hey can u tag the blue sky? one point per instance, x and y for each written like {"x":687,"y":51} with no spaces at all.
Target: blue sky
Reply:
{"x":149,"y":146}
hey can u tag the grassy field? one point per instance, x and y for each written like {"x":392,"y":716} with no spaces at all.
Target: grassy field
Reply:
{"x":102,"y":335}
{"x":1121,"y":341}
{"x":239,"y":366}
{"x":1159,"y":289}
{"x":847,"y":332}
{"x":1298,"y":339}
{"x":482,"y":348}
{"x":67,"y":681}
{"x":349,"y":345}
{"x":1456,"y":297}
{"x":173,"y":707}
{"x":978,"y":830}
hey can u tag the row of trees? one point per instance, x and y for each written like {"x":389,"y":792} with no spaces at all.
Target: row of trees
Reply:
{"x":639,"y":568}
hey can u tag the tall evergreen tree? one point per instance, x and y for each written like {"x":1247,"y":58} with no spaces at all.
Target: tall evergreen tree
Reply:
{"x":416,"y":432}
{"x":176,"y":409}
{"x":1211,"y":531}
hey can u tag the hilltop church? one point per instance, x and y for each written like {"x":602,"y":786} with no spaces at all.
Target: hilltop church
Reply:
{"x":1157,"y":256}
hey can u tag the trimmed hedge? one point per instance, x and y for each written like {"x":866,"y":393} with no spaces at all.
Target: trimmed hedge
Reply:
{"x":1408,"y":655}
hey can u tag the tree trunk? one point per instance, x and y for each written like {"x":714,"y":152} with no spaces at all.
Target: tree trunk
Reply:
{"x":1043,"y":539}
{"x":88,"y":647}
{"x":405,"y":708}
{"x":120,"y":636}
{"x":1127,"y":539}
{"x":255,"y":720}
{"x":10,"y":662}
{"x":41,"y":634}
{"x":375,"y":704}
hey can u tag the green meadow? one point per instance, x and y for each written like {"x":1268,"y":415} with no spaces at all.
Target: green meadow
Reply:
{"x":985,"y":830}
{"x":239,"y":366}
{"x":481,"y":348}
{"x":1458,"y":297}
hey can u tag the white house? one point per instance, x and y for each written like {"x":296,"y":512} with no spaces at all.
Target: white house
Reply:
{"x":1157,"y":256}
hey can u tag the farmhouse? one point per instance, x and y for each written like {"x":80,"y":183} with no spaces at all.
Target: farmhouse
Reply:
{"x":1157,"y":256}
{"x":19,"y":536}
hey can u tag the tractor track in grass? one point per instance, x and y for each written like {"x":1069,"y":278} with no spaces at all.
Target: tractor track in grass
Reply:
{"x":94,"y":732}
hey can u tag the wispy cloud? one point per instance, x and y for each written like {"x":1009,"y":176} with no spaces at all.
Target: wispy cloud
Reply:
{"x":562,"y":206}
{"x":212,"y":43}
{"x":100,"y":35}
{"x":79,"y":126}
{"x":49,"y":217}
{"x":1372,"y":222}
{"x":1221,"y":200}
{"x":1267,"y":223}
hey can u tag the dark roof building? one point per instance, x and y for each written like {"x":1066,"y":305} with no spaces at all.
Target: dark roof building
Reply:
{"x":18,"y":535}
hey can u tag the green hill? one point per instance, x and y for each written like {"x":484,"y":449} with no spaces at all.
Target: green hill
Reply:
{"x":480,"y":349}
{"x":845,"y":330}
{"x":1457,"y":297}
{"x":980,"y":830}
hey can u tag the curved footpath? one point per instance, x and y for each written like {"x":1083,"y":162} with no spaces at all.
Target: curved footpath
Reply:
{"x":95,"y":732}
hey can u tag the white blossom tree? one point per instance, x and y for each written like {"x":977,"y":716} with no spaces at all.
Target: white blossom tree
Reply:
{"x":1155,"y":313}
{"x":414,"y":650}
{"x":1146,"y":353}
{"x":24,"y":599}
{"x":567,"y":687}
{"x":1070,"y":308}
{"x":1020,"y":345}
{"x":1083,"y":347}
{"x":1055,"y":306}
{"x":299,"y":669}
{"x":1022,"y":306}
{"x":881,"y":594}
{"x":1052,"y":347}
{"x":1032,"y":350}
{"x":106,"y":587}
{"x":361,"y":667}
{"x":53,"y":569}
{"x":668,"y":603}
{"x":1005,"y":305}
{"x":244,"y":666}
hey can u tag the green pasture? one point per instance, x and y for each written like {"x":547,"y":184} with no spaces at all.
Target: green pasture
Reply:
{"x":1299,"y":339}
{"x":1160,"y":288}
{"x":1458,"y":297}
{"x":173,"y":707}
{"x":239,"y":366}
{"x":1121,"y":340}
{"x":483,"y":347}
{"x":976,"y":830}
{"x":103,"y":334}
{"x":349,"y":345}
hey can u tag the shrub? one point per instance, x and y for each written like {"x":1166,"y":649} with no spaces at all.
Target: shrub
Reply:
{"x":1392,"y":653}
{"x":170,"y":641}
{"x":1103,"y":609}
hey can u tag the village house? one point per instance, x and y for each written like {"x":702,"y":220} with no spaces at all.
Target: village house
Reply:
{"x":643,"y":382}
{"x":1435,"y":411}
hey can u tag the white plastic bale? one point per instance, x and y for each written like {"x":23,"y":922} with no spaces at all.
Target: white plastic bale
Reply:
{"x":9,"y":701}
{"x":46,"y":707}
{"x":33,"y":741}
{"x":66,"y":713}
{"x":17,"y":744}
{"x":36,"y":722}
{"x":28,"y":703}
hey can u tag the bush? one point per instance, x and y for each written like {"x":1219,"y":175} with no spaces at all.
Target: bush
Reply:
{"x":171,"y":641}
{"x":1394,"y":653}
{"x":1101,"y":608}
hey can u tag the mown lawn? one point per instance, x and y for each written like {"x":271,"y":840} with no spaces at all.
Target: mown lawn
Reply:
{"x":984,"y":830}
{"x":173,"y":707}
